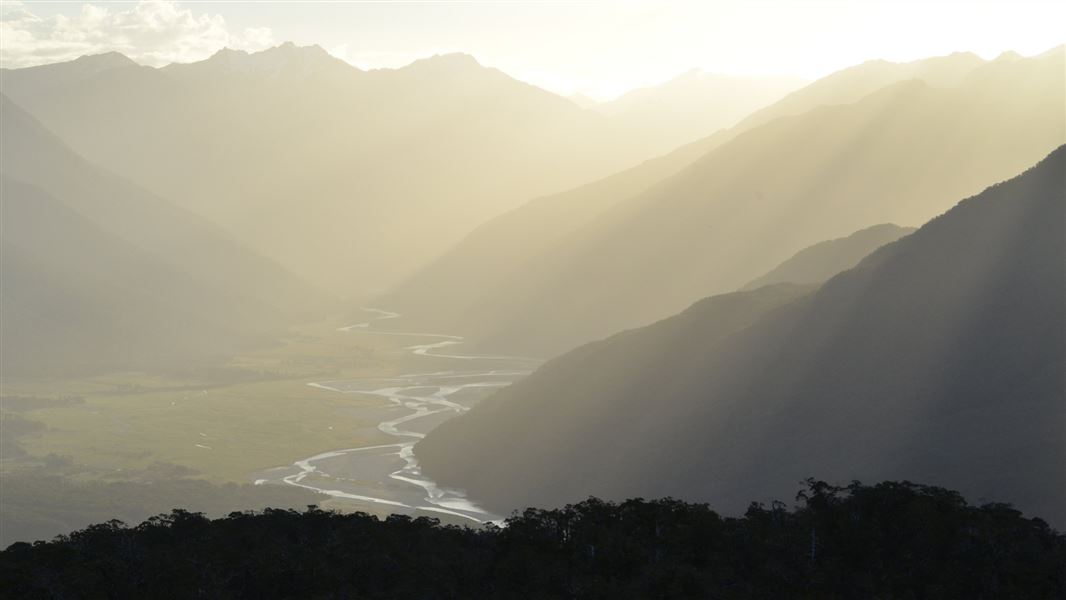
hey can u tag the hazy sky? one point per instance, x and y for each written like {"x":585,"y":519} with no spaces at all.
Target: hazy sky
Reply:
{"x":598,"y":48}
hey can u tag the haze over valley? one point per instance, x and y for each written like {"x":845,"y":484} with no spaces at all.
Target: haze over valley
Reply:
{"x":421,"y":267}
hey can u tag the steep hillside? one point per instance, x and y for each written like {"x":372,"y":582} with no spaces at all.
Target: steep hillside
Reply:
{"x":692,"y":106}
{"x":450,"y":293}
{"x":441,"y":294}
{"x":99,"y":273}
{"x":851,"y":84}
{"x":898,"y":155}
{"x":75,"y":296}
{"x":937,"y":358}
{"x":823,"y":260}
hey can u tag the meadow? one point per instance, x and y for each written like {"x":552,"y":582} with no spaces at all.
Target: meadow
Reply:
{"x":222,"y":423}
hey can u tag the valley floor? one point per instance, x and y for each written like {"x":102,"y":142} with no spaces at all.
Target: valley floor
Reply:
{"x":255,"y":421}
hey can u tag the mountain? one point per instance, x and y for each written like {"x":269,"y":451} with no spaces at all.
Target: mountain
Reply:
{"x":853,"y":83}
{"x":100,"y":274}
{"x":493,"y":252}
{"x":346,"y":177}
{"x":697,"y":104}
{"x":288,"y":59}
{"x":78,"y":297}
{"x":448,"y":293}
{"x":583,"y":101}
{"x":939,"y":357}
{"x":753,"y":199}
{"x":44,"y":79}
{"x":692,"y":106}
{"x":823,"y":260}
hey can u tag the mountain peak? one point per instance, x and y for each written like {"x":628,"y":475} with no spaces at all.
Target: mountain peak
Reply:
{"x":457,"y":58}
{"x":1008,"y":56}
{"x":290,"y":48}
{"x":285,"y":48}
{"x":225,"y":52}
{"x":452,"y":60}
{"x":449,"y":65}
{"x":97,"y":63}
{"x":284,"y":56}
{"x":966,"y":56}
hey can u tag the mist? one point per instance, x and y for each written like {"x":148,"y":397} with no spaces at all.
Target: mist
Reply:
{"x":443,"y":287}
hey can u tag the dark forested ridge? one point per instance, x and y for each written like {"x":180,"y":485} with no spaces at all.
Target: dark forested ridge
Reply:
{"x":892,"y":540}
{"x":39,"y":504}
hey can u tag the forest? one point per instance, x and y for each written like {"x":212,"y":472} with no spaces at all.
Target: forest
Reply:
{"x":889,"y":540}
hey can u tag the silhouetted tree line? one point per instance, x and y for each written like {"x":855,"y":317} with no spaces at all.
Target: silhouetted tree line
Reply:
{"x":891,"y":540}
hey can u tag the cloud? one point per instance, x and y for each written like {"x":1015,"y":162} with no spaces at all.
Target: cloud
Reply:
{"x":154,"y":32}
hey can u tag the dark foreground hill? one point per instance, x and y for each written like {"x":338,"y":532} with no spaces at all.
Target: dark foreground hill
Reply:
{"x":939,"y":358}
{"x":892,"y":540}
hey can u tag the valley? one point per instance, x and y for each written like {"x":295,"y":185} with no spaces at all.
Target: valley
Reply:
{"x":352,"y":398}
{"x":392,"y":472}
{"x":577,"y":300}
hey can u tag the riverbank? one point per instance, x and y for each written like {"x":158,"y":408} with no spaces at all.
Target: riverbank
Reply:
{"x":336,"y":409}
{"x":388,"y":477}
{"x":221,"y":424}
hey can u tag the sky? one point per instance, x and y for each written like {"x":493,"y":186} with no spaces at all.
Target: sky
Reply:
{"x":600,"y":49}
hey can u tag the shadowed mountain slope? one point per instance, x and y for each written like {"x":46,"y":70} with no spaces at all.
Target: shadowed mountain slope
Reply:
{"x":823,"y":260}
{"x":100,"y":274}
{"x":939,"y":357}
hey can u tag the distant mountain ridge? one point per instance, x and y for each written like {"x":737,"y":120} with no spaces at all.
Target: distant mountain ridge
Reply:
{"x":693,"y":105}
{"x":938,"y":357}
{"x":395,"y":163}
{"x":758,"y":194}
{"x":288,"y":56}
{"x":851,"y":84}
